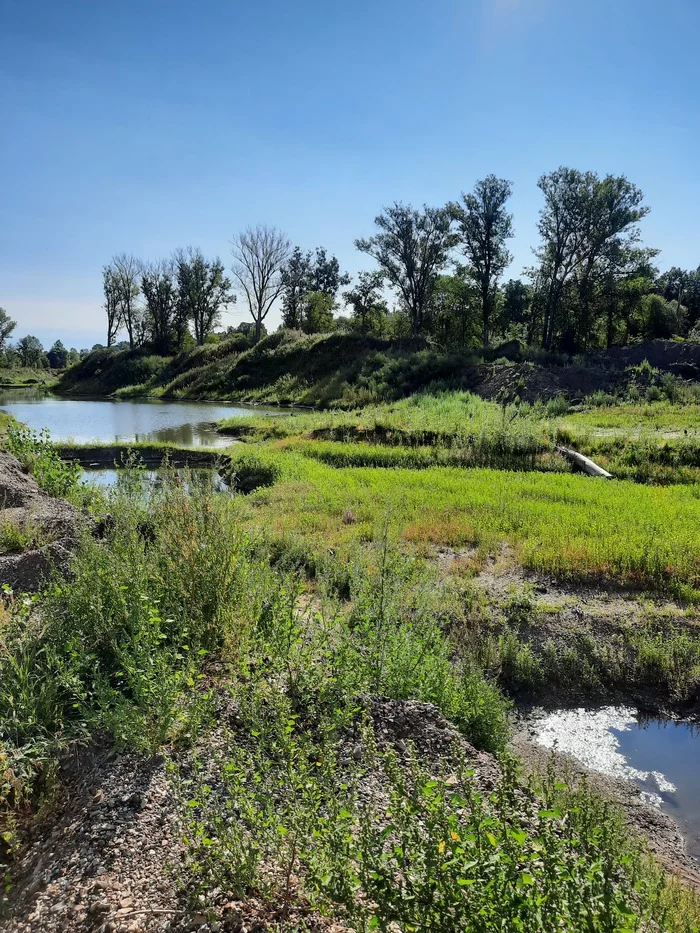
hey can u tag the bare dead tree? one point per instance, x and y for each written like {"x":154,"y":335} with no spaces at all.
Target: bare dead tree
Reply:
{"x":259,"y":254}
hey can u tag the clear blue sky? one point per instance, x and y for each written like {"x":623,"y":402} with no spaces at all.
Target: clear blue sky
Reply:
{"x":142,"y":126}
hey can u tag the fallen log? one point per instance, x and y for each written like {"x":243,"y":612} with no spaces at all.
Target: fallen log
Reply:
{"x":583,"y":463}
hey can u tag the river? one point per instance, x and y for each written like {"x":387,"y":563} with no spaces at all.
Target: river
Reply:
{"x":112,"y":421}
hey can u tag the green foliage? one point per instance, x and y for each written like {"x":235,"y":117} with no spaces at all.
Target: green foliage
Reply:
{"x":567,"y":525}
{"x":253,"y":472}
{"x":57,"y":356}
{"x":16,"y":536}
{"x":104,"y":371}
{"x":58,"y":477}
{"x":31,"y":352}
{"x":411,"y":249}
{"x":7,"y":325}
{"x":656,"y":318}
{"x":388,"y":843}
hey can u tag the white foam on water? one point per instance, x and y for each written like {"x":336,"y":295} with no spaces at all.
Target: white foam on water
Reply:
{"x":588,"y":736}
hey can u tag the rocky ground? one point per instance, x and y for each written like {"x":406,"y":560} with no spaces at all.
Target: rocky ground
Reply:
{"x":23,"y":503}
{"x":109,"y":855}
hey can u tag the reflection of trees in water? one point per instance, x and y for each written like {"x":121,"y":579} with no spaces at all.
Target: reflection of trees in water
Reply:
{"x":200,"y":434}
{"x":650,"y":719}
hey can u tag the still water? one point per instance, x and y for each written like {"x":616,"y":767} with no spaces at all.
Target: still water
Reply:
{"x":661,"y":756}
{"x":110,"y":421}
{"x":109,"y":478}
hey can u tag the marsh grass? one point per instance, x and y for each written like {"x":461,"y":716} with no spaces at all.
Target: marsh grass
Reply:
{"x":571,"y":526}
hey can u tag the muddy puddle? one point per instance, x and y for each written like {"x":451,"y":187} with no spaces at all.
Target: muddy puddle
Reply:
{"x":660,"y":756}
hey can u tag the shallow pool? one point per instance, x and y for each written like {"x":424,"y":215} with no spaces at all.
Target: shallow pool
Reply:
{"x":661,"y":756}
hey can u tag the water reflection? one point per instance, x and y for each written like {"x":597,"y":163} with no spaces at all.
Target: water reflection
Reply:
{"x":661,"y":756}
{"x":151,"y":478}
{"x":115,"y":421}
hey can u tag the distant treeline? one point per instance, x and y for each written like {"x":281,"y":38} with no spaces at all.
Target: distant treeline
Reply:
{"x":438,"y":272}
{"x":29,"y":352}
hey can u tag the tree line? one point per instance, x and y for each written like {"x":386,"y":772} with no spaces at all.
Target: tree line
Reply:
{"x":29,"y":352}
{"x":592,"y":282}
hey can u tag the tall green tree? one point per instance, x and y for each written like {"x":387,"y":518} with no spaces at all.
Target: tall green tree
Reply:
{"x":454,"y":311}
{"x":325,"y":275}
{"x":581,"y":217}
{"x":516,"y":305}
{"x":31,"y":352}
{"x":369,"y":309}
{"x":259,"y":256}
{"x":159,"y":287}
{"x":317,"y":313}
{"x":7,"y":325}
{"x":484,"y":225}
{"x":411,"y":248}
{"x":57,"y":356}
{"x":203,"y":291}
{"x":112,"y":305}
{"x":125,"y":280}
{"x":295,"y":276}
{"x":306,"y":273}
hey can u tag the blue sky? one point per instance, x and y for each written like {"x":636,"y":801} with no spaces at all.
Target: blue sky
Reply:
{"x":143,"y":126}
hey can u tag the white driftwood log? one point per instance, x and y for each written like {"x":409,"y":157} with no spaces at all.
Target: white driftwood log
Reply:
{"x":583,"y":463}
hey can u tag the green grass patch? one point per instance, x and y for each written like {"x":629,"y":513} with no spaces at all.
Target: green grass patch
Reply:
{"x":567,"y":525}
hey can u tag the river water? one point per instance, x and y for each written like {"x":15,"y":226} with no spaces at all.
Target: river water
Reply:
{"x":661,"y":756}
{"x":109,"y":421}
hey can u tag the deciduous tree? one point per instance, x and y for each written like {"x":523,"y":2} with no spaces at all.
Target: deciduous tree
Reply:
{"x":369,"y":309}
{"x":57,"y":356}
{"x":159,"y":289}
{"x":259,"y":256}
{"x":203,"y":292}
{"x":582,"y":216}
{"x":125,"y":275}
{"x":31,"y":352}
{"x":411,"y":248}
{"x":484,"y":225}
{"x":7,"y":325}
{"x":112,"y":304}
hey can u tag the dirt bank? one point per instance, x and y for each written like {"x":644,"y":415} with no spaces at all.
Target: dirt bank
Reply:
{"x":52,"y":524}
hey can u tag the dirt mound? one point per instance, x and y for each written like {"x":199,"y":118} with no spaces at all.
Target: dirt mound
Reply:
{"x":530,"y":382}
{"x":580,"y":377}
{"x":50,"y":523}
{"x":103,"y":862}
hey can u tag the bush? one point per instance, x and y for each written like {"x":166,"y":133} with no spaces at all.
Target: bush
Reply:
{"x":250,"y":472}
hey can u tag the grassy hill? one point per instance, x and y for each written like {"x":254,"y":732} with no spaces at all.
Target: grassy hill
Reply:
{"x":351,"y":371}
{"x":284,"y":368}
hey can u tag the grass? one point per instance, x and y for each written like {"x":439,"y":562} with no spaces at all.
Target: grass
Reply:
{"x":287,"y":367}
{"x":664,"y":417}
{"x":567,"y":525}
{"x":17,"y":536}
{"x":317,"y":592}
{"x":188,"y":596}
{"x":461,"y":429}
{"x":21,"y":377}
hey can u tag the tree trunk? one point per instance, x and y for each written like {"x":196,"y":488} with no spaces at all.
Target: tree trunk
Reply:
{"x":258,"y":329}
{"x":583,"y":463}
